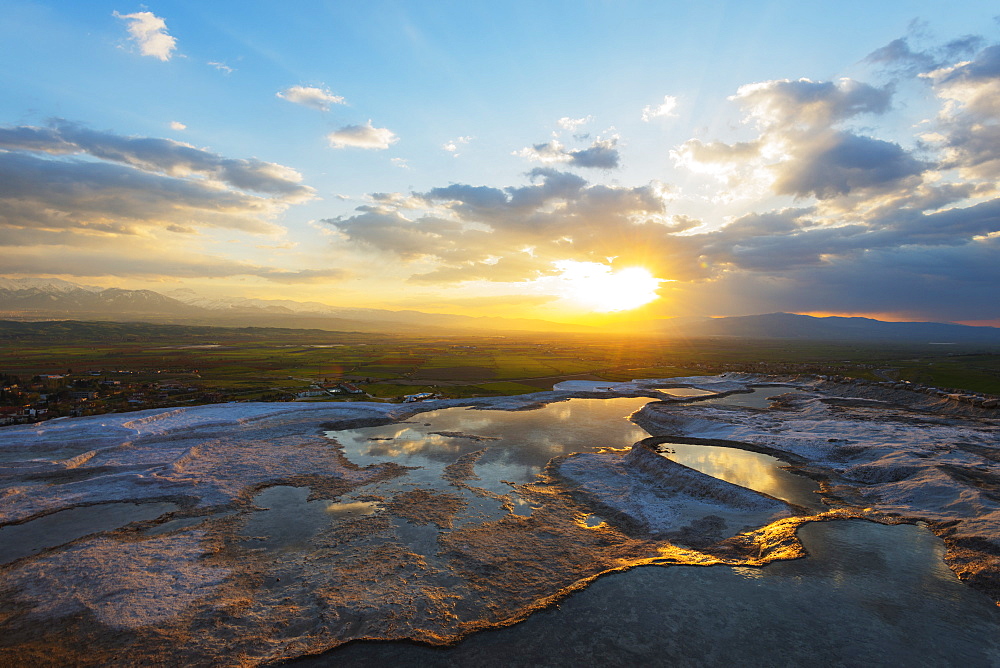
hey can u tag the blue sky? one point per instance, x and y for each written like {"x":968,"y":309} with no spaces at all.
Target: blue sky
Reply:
{"x":808,"y":157}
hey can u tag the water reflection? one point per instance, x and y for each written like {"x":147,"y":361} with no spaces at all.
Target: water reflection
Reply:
{"x":518,"y":443}
{"x":868,"y":595}
{"x":288,"y":519}
{"x":759,"y":397}
{"x":753,"y":470}
{"x":686,"y":392}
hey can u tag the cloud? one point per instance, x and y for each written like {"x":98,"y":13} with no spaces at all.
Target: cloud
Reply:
{"x":517,"y":233}
{"x":402,"y":163}
{"x":876,"y":226}
{"x":573,"y":124}
{"x":177,"y":125}
{"x":810,"y":104}
{"x":938,"y":283}
{"x":151,"y":261}
{"x":452,"y":144}
{"x":897,"y":54}
{"x":222,"y":67}
{"x":969,"y":122}
{"x":666,"y":109}
{"x":51,"y":195}
{"x":301,"y":275}
{"x":802,"y":148}
{"x":901,"y":59}
{"x":838,"y":163}
{"x":362,"y":136}
{"x":601,"y":154}
{"x":149,"y":32}
{"x":309,"y":96}
{"x":68,"y":185}
{"x":842,"y":218}
{"x":149,"y":154}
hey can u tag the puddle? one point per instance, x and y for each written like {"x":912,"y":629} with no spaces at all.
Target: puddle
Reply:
{"x":868,"y":595}
{"x":22,"y":540}
{"x":593,"y":521}
{"x":521,"y":507}
{"x":758,"y":398}
{"x":287,"y":520}
{"x":686,"y":392}
{"x":753,"y":470}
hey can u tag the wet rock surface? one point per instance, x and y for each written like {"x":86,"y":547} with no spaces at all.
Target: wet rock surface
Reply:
{"x":275,"y":544}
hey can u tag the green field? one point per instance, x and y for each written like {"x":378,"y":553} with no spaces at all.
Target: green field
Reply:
{"x":171,"y":365}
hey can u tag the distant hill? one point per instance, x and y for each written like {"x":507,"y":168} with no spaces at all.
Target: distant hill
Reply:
{"x":53,"y":299}
{"x":63,"y":300}
{"x":831,"y":328}
{"x":42,"y":299}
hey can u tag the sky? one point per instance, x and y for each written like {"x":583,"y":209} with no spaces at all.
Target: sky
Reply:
{"x":573,"y":161}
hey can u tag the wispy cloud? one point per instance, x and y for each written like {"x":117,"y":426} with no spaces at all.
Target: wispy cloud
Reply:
{"x":149,"y":32}
{"x":222,"y":67}
{"x":177,"y":125}
{"x":310,"y":96}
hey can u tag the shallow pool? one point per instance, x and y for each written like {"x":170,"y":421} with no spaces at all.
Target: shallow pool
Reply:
{"x":758,"y":397}
{"x":868,"y":595}
{"x":518,"y":444}
{"x":753,"y":470}
{"x":22,"y":540}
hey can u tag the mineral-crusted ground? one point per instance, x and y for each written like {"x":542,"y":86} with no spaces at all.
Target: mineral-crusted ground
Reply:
{"x":273,"y":544}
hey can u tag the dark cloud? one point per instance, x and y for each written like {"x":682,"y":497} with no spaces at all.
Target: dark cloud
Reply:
{"x":150,"y":154}
{"x":985,"y":66}
{"x":838,"y":163}
{"x":474,"y":197}
{"x":899,"y":58}
{"x":38,"y":192}
{"x":912,"y":282}
{"x":601,"y":154}
{"x":898,"y":53}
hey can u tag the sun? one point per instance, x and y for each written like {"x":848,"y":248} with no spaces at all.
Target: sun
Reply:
{"x":596,"y":288}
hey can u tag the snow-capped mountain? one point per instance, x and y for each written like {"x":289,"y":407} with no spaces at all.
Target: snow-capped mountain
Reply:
{"x":44,"y":284}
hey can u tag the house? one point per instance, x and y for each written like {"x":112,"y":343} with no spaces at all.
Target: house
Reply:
{"x":350,"y":388}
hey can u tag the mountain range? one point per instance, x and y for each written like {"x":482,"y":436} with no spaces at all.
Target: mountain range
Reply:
{"x":52,"y":299}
